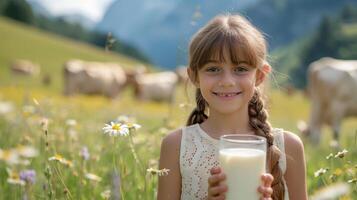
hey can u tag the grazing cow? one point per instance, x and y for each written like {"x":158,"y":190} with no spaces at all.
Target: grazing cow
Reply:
{"x":333,"y":94}
{"x":181,"y":72}
{"x":156,"y":86}
{"x":93,"y":78}
{"x":25,"y":67}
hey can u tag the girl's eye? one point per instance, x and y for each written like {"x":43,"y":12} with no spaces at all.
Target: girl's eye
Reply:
{"x":212,"y":69}
{"x":240,"y":69}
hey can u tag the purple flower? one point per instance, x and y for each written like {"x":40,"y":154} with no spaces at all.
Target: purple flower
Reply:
{"x":84,"y":153}
{"x":29,"y":176}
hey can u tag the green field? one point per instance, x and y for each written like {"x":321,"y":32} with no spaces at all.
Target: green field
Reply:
{"x":32,"y":102}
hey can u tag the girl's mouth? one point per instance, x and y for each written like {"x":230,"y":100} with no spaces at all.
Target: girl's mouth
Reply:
{"x":226,"y":94}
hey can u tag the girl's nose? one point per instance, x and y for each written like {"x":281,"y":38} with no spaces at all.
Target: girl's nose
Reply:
{"x":227,"y":80}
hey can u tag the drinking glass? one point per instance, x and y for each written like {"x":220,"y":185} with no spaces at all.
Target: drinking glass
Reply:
{"x":243,"y":159}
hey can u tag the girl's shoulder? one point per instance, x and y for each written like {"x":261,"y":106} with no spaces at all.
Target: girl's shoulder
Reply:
{"x":290,"y":139}
{"x":173,"y":139}
{"x":293,"y":143}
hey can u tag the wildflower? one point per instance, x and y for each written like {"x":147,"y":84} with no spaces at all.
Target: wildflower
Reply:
{"x":329,"y":156}
{"x":341,"y":154}
{"x":27,"y":110}
{"x":62,"y":160}
{"x":133,"y":126}
{"x":352,"y":180}
{"x":162,"y":172}
{"x":27,"y":151}
{"x":123,"y":119}
{"x":320,"y":172}
{"x":6,"y":107}
{"x":14,"y":178}
{"x":93,"y":177}
{"x":105,"y":194}
{"x":44,"y":124}
{"x":84,"y":153}
{"x":71,"y":122}
{"x":10,"y":156}
{"x":129,"y":121}
{"x":35,"y":102}
{"x":29,"y":176}
{"x":115,"y":129}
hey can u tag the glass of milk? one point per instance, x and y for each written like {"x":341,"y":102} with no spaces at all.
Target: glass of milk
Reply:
{"x":242,"y":158}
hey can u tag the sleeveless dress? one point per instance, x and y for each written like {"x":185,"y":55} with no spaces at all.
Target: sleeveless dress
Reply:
{"x":199,"y":153}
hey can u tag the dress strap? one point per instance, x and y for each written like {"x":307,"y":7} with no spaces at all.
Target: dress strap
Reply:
{"x":279,"y":142}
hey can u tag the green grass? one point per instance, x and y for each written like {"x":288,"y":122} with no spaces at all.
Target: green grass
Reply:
{"x":19,"y":41}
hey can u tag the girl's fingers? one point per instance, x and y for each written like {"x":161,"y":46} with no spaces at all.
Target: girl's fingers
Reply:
{"x":267,"y":179}
{"x":215,"y":170}
{"x":216,"y":179}
{"x":217,"y":191}
{"x":263,"y":198}
{"x":220,"y":197}
{"x":265,"y":191}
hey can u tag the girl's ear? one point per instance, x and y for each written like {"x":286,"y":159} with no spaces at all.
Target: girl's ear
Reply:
{"x":262,"y":73}
{"x":192,"y":77}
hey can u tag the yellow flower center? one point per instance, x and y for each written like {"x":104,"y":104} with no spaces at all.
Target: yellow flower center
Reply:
{"x":116,"y":127}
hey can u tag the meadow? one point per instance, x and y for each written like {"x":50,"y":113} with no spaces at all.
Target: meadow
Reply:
{"x":61,"y":138}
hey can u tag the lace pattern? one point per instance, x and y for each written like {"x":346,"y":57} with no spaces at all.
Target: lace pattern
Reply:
{"x":199,"y":153}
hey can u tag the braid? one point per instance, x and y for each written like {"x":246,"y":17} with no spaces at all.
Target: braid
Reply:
{"x":198,"y":114}
{"x":258,"y":121}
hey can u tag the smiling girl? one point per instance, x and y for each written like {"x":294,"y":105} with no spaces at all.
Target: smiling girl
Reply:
{"x":227,"y":63}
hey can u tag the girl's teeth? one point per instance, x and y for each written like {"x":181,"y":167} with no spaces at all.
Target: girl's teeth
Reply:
{"x":226,"y":95}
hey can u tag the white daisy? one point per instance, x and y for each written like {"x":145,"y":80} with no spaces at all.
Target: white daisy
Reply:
{"x":115,"y":129}
{"x":71,"y":122}
{"x":133,"y":126}
{"x":93,"y":177}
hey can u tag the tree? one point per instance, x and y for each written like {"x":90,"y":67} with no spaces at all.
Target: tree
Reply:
{"x":19,"y":10}
{"x":326,"y":42}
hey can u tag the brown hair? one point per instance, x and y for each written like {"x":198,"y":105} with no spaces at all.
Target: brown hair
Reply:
{"x":243,"y":41}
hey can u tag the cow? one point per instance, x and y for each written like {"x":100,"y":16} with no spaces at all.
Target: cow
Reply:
{"x":83,"y":77}
{"x":159,"y":86}
{"x":332,"y":87}
{"x":181,"y":72}
{"x":24,"y":67}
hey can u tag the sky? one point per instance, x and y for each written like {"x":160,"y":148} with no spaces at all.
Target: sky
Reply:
{"x":93,"y":9}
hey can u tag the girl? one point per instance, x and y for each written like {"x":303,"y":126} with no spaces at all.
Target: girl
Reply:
{"x":227,"y":63}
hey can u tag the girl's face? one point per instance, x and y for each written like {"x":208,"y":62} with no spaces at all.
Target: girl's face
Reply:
{"x":228,"y":87}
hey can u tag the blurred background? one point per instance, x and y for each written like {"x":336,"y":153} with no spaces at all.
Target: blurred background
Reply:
{"x":45,"y":45}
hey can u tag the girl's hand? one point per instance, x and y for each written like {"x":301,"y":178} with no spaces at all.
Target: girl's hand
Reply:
{"x":265,"y":189}
{"x":216,"y":189}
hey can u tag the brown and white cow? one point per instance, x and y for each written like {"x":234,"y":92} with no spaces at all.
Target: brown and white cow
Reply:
{"x":332,"y":89}
{"x":159,"y":86}
{"x":93,"y":78}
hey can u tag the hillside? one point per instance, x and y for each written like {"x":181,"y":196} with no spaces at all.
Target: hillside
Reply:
{"x":19,"y":41}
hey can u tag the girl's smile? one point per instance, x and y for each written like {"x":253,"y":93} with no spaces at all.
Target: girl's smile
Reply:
{"x":226,"y":95}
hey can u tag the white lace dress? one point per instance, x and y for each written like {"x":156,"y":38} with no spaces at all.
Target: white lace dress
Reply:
{"x":199,"y":153}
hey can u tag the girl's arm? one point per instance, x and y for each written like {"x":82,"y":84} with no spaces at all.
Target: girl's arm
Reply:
{"x":295,"y":175}
{"x":170,"y":185}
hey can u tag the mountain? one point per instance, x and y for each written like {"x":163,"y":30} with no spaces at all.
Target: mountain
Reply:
{"x":79,"y":19}
{"x":162,"y":28}
{"x":38,"y":8}
{"x":287,"y":20}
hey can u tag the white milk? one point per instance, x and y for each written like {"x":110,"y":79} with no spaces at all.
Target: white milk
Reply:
{"x":243,"y":168}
